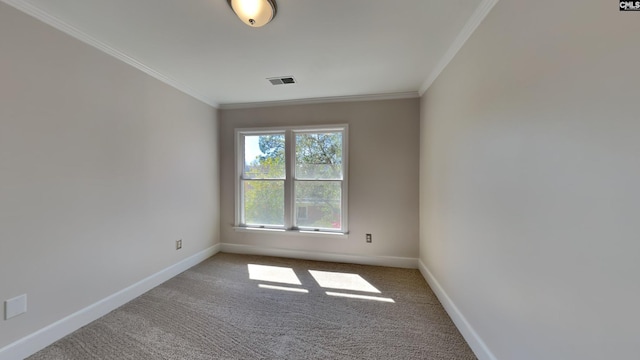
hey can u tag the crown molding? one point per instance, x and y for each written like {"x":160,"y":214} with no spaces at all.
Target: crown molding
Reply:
{"x":472,"y":24}
{"x":474,"y":21}
{"x":72,"y":31}
{"x":322,"y":100}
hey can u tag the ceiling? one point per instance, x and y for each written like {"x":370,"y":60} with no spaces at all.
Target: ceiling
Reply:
{"x":333,"y":48}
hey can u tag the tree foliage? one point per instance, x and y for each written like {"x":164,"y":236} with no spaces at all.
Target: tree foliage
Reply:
{"x":272,"y":148}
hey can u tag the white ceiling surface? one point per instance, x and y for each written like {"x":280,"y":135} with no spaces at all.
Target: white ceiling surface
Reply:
{"x":334,"y":48}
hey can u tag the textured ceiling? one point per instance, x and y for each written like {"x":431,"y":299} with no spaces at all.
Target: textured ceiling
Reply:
{"x":334,"y":48}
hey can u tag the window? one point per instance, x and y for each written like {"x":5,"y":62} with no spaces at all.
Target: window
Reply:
{"x":292,"y":178}
{"x":301,"y":213}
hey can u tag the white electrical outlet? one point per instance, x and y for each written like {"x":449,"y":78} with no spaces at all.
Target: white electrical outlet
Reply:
{"x":16,"y":306}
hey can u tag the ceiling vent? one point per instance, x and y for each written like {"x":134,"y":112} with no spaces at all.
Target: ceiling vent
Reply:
{"x":282,"y":80}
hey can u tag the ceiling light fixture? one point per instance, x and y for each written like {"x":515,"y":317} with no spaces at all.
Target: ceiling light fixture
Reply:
{"x":255,"y":13}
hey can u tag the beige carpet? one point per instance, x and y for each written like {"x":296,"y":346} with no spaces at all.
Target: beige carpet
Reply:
{"x":251,"y":307}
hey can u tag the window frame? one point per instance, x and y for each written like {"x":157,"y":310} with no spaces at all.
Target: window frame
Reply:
{"x":289,"y":181}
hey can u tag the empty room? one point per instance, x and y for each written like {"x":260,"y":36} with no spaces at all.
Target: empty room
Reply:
{"x":280,"y":179}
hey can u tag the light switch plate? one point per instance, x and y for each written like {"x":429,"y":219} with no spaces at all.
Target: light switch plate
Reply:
{"x":15,"y":306}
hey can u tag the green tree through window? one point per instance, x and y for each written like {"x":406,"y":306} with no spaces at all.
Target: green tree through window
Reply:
{"x":318,"y":177}
{"x":264,"y":185}
{"x":316,"y":182}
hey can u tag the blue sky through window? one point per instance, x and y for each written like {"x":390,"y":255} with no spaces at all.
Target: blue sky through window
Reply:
{"x":251,"y":148}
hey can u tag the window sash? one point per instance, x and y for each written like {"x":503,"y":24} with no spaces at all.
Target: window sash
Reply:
{"x":262,"y":216}
{"x":299,"y":174}
{"x":325,"y":206}
{"x":245,"y":174}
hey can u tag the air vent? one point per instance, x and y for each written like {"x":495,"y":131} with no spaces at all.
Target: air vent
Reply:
{"x":282,"y":80}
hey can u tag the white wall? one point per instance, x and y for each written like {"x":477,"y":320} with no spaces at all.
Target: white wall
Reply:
{"x":530,"y":165}
{"x":383,"y":175}
{"x":102,"y":168}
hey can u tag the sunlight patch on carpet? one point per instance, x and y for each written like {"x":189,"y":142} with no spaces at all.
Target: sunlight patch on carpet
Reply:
{"x":342,"y":281}
{"x":283,"y":288}
{"x":362,"y":297}
{"x":284,"y":275}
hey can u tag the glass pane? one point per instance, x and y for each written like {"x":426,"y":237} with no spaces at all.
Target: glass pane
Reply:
{"x":264,"y":156}
{"x":318,"y":204}
{"x":319,"y":156}
{"x":264,"y":202}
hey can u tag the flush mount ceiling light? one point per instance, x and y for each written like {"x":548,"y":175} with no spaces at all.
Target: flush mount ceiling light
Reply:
{"x":255,"y":13}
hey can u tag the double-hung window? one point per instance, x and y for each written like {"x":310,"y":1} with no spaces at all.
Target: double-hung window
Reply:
{"x":292,"y":178}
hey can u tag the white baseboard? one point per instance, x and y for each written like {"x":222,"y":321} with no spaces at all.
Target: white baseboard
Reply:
{"x":40,"y":339}
{"x":392,"y":261}
{"x":473,"y":339}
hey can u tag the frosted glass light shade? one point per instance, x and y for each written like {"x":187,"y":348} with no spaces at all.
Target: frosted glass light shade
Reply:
{"x":255,"y":13}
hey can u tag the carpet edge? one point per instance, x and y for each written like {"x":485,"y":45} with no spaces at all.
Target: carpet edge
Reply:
{"x":477,"y":345}
{"x":390,"y":261}
{"x":47,"y":335}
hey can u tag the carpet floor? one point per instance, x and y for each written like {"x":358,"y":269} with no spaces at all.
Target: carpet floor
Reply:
{"x":253,"y":307}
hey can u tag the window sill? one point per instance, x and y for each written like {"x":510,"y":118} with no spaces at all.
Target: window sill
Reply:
{"x":291,"y":232}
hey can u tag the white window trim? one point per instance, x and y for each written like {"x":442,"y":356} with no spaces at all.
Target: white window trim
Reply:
{"x":289,"y":210}
{"x":288,"y":232}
